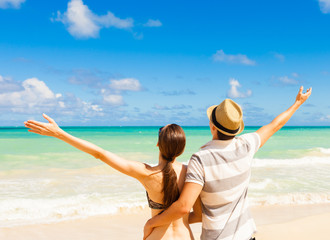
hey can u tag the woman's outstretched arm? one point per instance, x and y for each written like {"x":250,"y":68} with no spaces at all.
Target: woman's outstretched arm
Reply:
{"x":134,"y":169}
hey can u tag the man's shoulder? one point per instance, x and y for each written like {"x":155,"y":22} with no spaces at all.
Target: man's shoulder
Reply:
{"x":203,"y":151}
{"x":251,"y":140}
{"x":248,"y":136}
{"x":208,"y":150}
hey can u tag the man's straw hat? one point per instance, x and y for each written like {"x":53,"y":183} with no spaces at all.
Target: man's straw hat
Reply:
{"x":227,"y":117}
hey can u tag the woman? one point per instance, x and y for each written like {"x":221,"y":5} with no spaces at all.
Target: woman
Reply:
{"x":163,"y":183}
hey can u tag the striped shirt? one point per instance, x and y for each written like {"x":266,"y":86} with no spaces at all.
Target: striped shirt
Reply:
{"x":223,"y":168}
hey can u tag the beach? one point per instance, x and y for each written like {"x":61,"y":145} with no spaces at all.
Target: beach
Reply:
{"x":113,"y":74}
{"x":49,"y":190}
{"x":273,"y":222}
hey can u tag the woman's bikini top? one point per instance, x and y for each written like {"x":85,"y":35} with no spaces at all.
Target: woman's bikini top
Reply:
{"x":154,"y":205}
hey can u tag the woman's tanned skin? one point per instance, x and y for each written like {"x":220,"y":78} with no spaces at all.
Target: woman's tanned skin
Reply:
{"x":150,"y":177}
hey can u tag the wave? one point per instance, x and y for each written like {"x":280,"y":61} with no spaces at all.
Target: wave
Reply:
{"x":262,"y":184}
{"x":325,"y":151}
{"x":14,"y":212}
{"x":290,"y":199}
{"x":308,"y":160}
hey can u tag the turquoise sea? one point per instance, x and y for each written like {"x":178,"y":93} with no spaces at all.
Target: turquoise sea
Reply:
{"x":45,"y":180}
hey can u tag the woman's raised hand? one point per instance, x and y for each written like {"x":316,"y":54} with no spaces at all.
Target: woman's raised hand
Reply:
{"x":47,"y":129}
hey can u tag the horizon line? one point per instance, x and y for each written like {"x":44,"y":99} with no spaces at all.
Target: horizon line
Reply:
{"x":249,"y":126}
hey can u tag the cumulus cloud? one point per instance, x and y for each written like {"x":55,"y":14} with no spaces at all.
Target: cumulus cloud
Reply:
{"x":288,"y":81}
{"x":113,"y":99}
{"x":126,"y":84}
{"x":11,"y":3}
{"x":70,"y":105}
{"x":81,"y":22}
{"x":34,"y":96}
{"x":112,"y":93}
{"x":325,"y":6}
{"x":34,"y":93}
{"x":153,"y":23}
{"x":111,"y":90}
{"x":234,"y":92}
{"x":220,"y":56}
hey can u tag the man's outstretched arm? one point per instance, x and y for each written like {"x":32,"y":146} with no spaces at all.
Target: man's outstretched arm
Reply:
{"x":267,"y":131}
{"x":178,"y":209}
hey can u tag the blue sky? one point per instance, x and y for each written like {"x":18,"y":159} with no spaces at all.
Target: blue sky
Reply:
{"x":127,"y":62}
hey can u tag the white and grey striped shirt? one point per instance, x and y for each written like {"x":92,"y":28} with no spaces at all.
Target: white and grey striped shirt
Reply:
{"x":223,"y":168}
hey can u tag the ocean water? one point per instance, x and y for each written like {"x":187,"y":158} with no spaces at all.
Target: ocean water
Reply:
{"x":43,"y":179}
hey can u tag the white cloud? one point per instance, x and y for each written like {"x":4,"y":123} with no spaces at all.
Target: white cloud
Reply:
{"x":220,"y":56}
{"x":96,"y":108}
{"x":110,"y":20}
{"x":112,"y":94}
{"x":81,"y":22}
{"x":234,"y":92}
{"x":34,"y":96}
{"x":11,"y":3}
{"x":126,"y":84}
{"x":288,"y":81}
{"x":62,"y":104}
{"x":153,"y":23}
{"x":35,"y":92}
{"x":90,"y":109}
{"x":113,"y":99}
{"x":325,"y":6}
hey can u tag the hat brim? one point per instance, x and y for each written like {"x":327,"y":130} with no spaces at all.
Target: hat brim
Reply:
{"x":209,"y":113}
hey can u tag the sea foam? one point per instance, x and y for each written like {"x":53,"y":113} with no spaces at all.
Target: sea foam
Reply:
{"x":290,"y":199}
{"x":33,"y":211}
{"x":308,"y":160}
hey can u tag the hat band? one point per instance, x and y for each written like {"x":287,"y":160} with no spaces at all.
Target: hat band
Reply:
{"x":218,"y":125}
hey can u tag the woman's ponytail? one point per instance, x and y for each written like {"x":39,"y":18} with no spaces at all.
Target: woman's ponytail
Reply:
{"x":171,"y":142}
{"x":170,"y":185}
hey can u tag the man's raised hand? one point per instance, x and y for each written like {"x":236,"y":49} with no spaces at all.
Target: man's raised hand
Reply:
{"x":302,"y":97}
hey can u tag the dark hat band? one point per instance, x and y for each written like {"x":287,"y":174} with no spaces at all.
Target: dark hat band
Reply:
{"x":218,"y":125}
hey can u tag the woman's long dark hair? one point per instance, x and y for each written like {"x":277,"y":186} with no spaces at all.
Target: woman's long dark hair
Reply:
{"x":171,"y":142}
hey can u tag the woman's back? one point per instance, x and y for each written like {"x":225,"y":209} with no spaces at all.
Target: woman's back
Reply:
{"x":162,"y":182}
{"x":178,"y":229}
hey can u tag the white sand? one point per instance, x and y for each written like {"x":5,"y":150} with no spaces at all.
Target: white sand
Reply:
{"x":274,"y":222}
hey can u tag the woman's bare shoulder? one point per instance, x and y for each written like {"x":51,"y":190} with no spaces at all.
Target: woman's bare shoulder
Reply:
{"x":183,"y":166}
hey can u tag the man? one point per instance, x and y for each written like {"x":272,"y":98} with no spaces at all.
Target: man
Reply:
{"x":220,"y":173}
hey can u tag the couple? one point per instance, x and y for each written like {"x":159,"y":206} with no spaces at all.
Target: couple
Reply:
{"x":214,"y":184}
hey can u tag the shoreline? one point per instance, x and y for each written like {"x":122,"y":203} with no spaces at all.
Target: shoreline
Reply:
{"x":291,"y":222}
